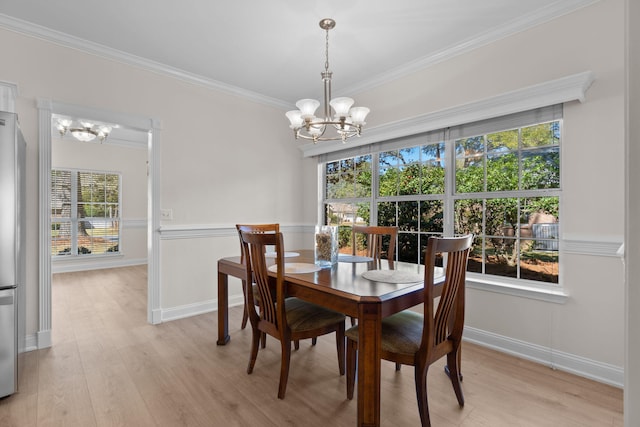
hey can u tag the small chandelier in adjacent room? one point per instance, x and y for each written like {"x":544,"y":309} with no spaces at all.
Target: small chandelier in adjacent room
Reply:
{"x":84,"y":131}
{"x":346,"y":121}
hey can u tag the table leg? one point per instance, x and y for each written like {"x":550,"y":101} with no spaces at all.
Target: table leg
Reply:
{"x":223,"y":305}
{"x":369,"y":329}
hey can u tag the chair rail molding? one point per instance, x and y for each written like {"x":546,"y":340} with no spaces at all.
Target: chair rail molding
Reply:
{"x":197,"y":231}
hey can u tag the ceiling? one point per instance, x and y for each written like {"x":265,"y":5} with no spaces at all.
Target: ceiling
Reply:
{"x":274,"y":50}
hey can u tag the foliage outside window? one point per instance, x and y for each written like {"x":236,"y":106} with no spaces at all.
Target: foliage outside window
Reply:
{"x":85,"y":213}
{"x":504,"y":187}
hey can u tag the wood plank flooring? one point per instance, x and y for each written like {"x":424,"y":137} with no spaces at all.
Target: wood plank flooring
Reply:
{"x":108,"y":367}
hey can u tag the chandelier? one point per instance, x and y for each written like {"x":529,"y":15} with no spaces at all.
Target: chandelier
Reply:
{"x":347,"y":121}
{"x":83,"y":131}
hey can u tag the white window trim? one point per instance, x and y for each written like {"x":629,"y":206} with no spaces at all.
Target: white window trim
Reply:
{"x":559,"y":91}
{"x":517,"y":287}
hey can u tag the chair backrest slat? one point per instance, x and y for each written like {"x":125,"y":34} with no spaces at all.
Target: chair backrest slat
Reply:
{"x":448,"y":320}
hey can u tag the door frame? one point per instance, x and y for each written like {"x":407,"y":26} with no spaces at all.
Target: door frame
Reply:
{"x":46,"y":109}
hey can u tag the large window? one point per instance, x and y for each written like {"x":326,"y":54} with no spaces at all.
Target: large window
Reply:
{"x":498,"y":179}
{"x":85,"y":213}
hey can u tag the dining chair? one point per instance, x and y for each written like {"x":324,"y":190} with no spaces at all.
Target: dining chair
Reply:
{"x":419,"y":340}
{"x":372,"y":238}
{"x":258,"y":228}
{"x":285,"y":318}
{"x":255,"y":228}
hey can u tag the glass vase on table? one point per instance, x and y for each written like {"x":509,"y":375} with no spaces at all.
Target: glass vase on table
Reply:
{"x":326,"y":246}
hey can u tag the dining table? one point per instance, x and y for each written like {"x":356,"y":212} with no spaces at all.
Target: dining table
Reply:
{"x":355,"y":286}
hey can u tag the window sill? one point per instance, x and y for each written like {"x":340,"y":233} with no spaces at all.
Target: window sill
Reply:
{"x":88,"y":257}
{"x":517,"y":288}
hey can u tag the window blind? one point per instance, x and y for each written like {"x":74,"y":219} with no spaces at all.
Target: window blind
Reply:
{"x":497,"y":124}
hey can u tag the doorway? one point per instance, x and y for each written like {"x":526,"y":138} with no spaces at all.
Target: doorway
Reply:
{"x":47,"y":109}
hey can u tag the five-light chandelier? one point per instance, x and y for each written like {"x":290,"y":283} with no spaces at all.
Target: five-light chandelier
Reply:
{"x":347,"y":121}
{"x":83,"y":131}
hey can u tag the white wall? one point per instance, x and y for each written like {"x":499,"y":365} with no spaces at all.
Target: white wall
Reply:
{"x":214,"y":176}
{"x":131,"y":163}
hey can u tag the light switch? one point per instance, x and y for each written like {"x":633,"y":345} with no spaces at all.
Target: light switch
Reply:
{"x":166,"y":214}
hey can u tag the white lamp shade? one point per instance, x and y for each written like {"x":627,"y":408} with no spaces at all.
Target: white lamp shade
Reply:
{"x":316,"y":130}
{"x":341,"y":106}
{"x":295,"y":117}
{"x":308,"y":107}
{"x":358,"y":114}
{"x":103,"y":132}
{"x":64,"y":122}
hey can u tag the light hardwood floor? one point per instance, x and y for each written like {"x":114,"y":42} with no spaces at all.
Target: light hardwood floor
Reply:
{"x":108,"y":367}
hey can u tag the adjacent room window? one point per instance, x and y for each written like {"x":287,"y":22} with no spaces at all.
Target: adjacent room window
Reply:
{"x":498,"y":179}
{"x":85,"y":213}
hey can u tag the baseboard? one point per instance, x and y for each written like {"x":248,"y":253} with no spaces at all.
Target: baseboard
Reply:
{"x":594,"y":370}
{"x":95,"y":264}
{"x":31,"y":342}
{"x":43,"y":339}
{"x":189,"y":310}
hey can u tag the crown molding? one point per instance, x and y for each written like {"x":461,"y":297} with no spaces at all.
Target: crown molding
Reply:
{"x":515,"y":26}
{"x":565,"y":89}
{"x":66,"y":40}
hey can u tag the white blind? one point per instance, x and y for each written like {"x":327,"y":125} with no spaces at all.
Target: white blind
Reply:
{"x":511,"y":121}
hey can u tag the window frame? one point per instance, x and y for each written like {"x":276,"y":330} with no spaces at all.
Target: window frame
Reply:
{"x":73,"y":220}
{"x":552,"y":292}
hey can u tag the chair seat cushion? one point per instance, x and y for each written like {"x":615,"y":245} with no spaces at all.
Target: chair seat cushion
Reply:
{"x":401,"y":332}
{"x":304,"y":316}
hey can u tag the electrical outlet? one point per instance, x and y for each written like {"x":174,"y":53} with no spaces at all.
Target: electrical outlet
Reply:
{"x":166,"y":214}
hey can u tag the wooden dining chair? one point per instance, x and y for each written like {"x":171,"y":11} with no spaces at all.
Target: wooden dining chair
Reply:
{"x":255,"y":228}
{"x":411,"y":338}
{"x":373,"y":237}
{"x":285,"y":318}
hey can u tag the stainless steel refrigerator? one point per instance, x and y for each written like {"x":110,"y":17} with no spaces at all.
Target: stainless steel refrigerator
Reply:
{"x":12,"y":251}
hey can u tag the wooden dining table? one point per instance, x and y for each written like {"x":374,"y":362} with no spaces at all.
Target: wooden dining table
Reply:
{"x":344,"y":289}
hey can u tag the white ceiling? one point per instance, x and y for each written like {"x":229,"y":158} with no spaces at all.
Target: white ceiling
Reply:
{"x":274,"y":50}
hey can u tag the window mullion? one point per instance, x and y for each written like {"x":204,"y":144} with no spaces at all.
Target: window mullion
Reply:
{"x":74,"y":213}
{"x":449,"y":186}
{"x":375,"y":189}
